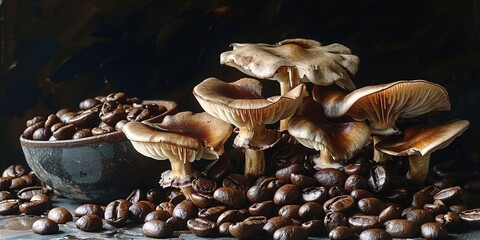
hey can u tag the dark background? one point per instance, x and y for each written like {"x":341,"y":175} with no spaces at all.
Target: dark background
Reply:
{"x":56,"y":53}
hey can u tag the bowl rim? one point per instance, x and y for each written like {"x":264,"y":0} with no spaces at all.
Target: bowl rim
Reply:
{"x":95,"y":140}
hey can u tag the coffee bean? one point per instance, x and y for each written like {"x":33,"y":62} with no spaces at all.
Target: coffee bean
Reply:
{"x":120,"y":97}
{"x":284,"y":173}
{"x":289,"y":211}
{"x":89,"y":208}
{"x":60,"y":215}
{"x":302,"y":181}
{"x":399,"y":195}
{"x":45,"y":226}
{"x":119,"y":125}
{"x":88,"y":103}
{"x":138,"y":114}
{"x":375,"y":234}
{"x":62,"y":111}
{"x":177,"y":223}
{"x":64,"y":132}
{"x":257,"y":193}
{"x":247,"y":229}
{"x":233,"y":215}
{"x":361,"y":223}
{"x":13,"y":171}
{"x":402,"y":228}
{"x":379,"y":179}
{"x":152,"y":205}
{"x":471,"y":217}
{"x":116,"y":212}
{"x":87,"y":118}
{"x":310,"y":211}
{"x":202,"y":227}
{"x":157,"y":229}
{"x":28,"y":132}
{"x":355,"y":182}
{"x":265,"y":208}
{"x":313,"y":227}
{"x":333,"y":220}
{"x":458,"y":208}
{"x":9,"y":207}
{"x":449,"y":195}
{"x":136,"y":195}
{"x":34,"y":120}
{"x":185,"y":210}
{"x":203,"y":200}
{"x":90,"y":223}
{"x":287,"y":156}
{"x":33,"y":207}
{"x":341,"y":232}
{"x":236,"y":181}
{"x":18,"y":183}
{"x":287,"y":194}
{"x":167,"y":206}
{"x":433,"y":230}
{"x":356,"y":169}
{"x":65,"y":118}
{"x":450,"y":220}
{"x":31,"y":180}
{"x":4,"y":195}
{"x":102,"y":130}
{"x":419,"y":216}
{"x":204,"y":185}
{"x":275,"y":223}
{"x":158,"y":215}
{"x":41,"y":134}
{"x":358,"y":194}
{"x":231,"y":197}
{"x":223,"y":229}
{"x":27,"y":193}
{"x":339,"y":204}
{"x":275,"y":184}
{"x":82,"y":133}
{"x":391,"y":212}
{"x":435,"y":209}
{"x":212,"y":213}
{"x":138,"y":211}
{"x":329,"y":177}
{"x":421,"y":198}
{"x":5,"y":183}
{"x":290,"y":233}
{"x":220,"y":168}
{"x":371,"y":206}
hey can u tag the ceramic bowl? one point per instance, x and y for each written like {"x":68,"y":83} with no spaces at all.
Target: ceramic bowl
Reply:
{"x":95,"y":169}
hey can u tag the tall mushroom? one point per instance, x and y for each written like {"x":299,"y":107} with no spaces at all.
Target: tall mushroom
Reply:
{"x":336,"y":139}
{"x":383,"y":104}
{"x":241,"y":103}
{"x":419,"y":142}
{"x":293,"y":61}
{"x":180,"y":138}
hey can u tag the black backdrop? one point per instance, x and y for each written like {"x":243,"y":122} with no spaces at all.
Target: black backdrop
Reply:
{"x":56,"y":53}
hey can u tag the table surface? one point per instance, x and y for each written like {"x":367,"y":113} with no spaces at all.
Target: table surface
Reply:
{"x":17,"y":227}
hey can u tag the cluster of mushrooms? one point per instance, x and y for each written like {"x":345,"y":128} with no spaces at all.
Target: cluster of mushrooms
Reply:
{"x":334,"y":118}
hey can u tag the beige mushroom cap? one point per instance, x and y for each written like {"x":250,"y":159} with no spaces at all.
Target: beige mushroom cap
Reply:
{"x":307,"y":59}
{"x":423,"y":139}
{"x":242,"y":104}
{"x":383,"y":104}
{"x":341,"y":138}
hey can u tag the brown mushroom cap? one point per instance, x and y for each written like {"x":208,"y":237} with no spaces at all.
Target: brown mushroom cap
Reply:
{"x":383,"y":104}
{"x":302,"y":59}
{"x":242,"y":104}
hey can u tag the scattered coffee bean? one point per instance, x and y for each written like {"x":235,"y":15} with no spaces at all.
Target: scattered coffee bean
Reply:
{"x":45,"y":226}
{"x":402,"y":228}
{"x":471,"y":217}
{"x":287,"y":194}
{"x":202,"y":227}
{"x":341,"y":232}
{"x":90,"y":223}
{"x":60,"y":215}
{"x":433,"y":230}
{"x":157,"y":229}
{"x":89,"y":209}
{"x":275,"y":223}
{"x":116,"y":212}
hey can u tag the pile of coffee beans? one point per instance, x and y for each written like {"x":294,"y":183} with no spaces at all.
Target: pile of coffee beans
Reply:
{"x":96,"y":116}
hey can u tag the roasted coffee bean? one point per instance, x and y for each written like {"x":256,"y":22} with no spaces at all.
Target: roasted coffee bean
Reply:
{"x":202,"y":227}
{"x":138,"y":211}
{"x":371,"y":206}
{"x":167,"y":206}
{"x":339,"y":204}
{"x":120,"y":97}
{"x":62,"y":111}
{"x":458,"y":208}
{"x":333,"y":220}
{"x":337,"y":191}
{"x":90,"y":223}
{"x":231,"y":197}
{"x":178,"y":199}
{"x":87,"y":118}
{"x":391,"y":212}
{"x":315,"y":194}
{"x":361,"y":223}
{"x":136,"y":195}
{"x":419,"y":216}
{"x":89,"y":208}
{"x":275,"y":223}
{"x":421,"y":198}
{"x":27,"y":193}
{"x":375,"y":234}
{"x":45,"y":226}
{"x":274,"y":185}
{"x":41,"y":134}
{"x":155,"y":195}
{"x":116,"y":212}
{"x":34,"y":120}
{"x":28,"y":132}
{"x":9,"y":207}
{"x":177,"y":223}
{"x":290,"y":233}
{"x":355,"y":182}
{"x":402,"y":228}
{"x":358,"y":194}
{"x":60,"y":215}
{"x":5,"y":183}
{"x":284,"y":173}
{"x":233,"y":215}
{"x":247,"y":229}
{"x":4,"y":195}
{"x":329,"y":177}
{"x":158,"y":215}
{"x":379,"y":179}
{"x":212,"y":213}
{"x":64,"y":132}
{"x":471,"y":217}
{"x":223,"y":229}
{"x":30,"y":179}
{"x":82,"y":133}
{"x":138,"y":114}
{"x":449,"y":195}
{"x":314,"y":227}
{"x":152,"y":205}
{"x":433,"y":230}
{"x":310,"y":211}
{"x":287,"y":194}
{"x":289,"y":211}
{"x":18,"y":183}
{"x":356,"y":169}
{"x":236,"y":181}
{"x":65,"y":118}
{"x":33,"y":207}
{"x":13,"y":171}
{"x":398,"y":195}
{"x":220,"y":168}
{"x":203,"y":200}
{"x":435,"y":209}
{"x":341,"y":232}
{"x":257,"y":193}
{"x":102,"y":130}
{"x":185,"y":210}
{"x":265,"y":208}
{"x":450,"y":220}
{"x":157,"y":229}
{"x":302,"y":181}
{"x":112,"y":112}
{"x":57,"y":126}
{"x":88,"y":103}
{"x":204,"y":185}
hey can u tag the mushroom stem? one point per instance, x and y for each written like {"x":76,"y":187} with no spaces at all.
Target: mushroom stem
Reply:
{"x":418,"y":168}
{"x":254,"y":163}
{"x":180,"y":169}
{"x":325,"y":160}
{"x":377,"y":155}
{"x":287,"y":80}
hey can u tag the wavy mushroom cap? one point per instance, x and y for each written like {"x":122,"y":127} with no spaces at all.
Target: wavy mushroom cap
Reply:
{"x":423,"y":139}
{"x":184,"y":135}
{"x":308,"y":59}
{"x":242,"y":104}
{"x":383,"y":104}
{"x":341,"y":138}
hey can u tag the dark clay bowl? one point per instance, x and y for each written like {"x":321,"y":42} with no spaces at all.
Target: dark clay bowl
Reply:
{"x":95,"y":169}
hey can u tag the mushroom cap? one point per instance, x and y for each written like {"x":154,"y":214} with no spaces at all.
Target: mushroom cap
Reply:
{"x":383,"y":104}
{"x":341,"y":138}
{"x":423,"y":139}
{"x":184,"y":135}
{"x":308,"y":59}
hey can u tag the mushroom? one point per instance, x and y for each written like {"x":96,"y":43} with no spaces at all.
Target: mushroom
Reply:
{"x":242,"y":104}
{"x":180,"y":138}
{"x":383,"y":104}
{"x":419,"y":142}
{"x":336,"y":140}
{"x":293,"y":61}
